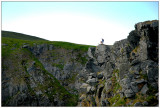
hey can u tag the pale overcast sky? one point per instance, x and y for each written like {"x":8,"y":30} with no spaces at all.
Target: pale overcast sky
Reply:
{"x":77,"y":22}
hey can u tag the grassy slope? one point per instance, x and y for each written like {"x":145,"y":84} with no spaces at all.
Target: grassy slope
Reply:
{"x":19,"y":36}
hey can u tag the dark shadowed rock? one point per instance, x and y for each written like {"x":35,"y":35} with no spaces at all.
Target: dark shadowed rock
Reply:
{"x":138,"y":104}
{"x":144,"y":89}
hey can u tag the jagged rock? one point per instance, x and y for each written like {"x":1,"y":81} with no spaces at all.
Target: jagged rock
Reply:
{"x":144,"y":89}
{"x":88,"y":89}
{"x":102,"y":52}
{"x":91,"y":51}
{"x":108,"y":69}
{"x":123,"y":69}
{"x":145,"y":103}
{"x":100,"y":76}
{"x":82,"y":97}
{"x":134,"y":87}
{"x":83,"y":87}
{"x":108,"y":85}
{"x":129,"y":93}
{"x":89,"y":77}
{"x":92,"y":67}
{"x":92,"y":81}
{"x":141,"y":81}
{"x":93,"y":89}
{"x":94,"y":75}
{"x":134,"y":62}
{"x":51,"y":47}
{"x":157,"y":95}
{"x":133,"y":38}
{"x":121,"y":94}
{"x":105,"y":102}
{"x":138,"y":104}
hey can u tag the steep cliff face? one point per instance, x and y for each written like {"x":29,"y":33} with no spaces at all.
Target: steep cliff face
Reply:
{"x":40,"y":73}
{"x":125,"y":74}
{"x":43,"y":73}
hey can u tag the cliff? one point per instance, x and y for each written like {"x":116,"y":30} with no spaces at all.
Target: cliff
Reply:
{"x":44,"y":73}
{"x":126,"y":73}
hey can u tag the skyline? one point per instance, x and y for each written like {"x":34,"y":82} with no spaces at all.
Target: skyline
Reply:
{"x":77,"y":22}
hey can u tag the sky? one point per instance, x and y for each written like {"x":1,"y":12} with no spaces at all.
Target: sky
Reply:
{"x":77,"y":22}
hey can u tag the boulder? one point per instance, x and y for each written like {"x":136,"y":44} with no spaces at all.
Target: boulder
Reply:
{"x":145,"y":103}
{"x":105,"y":102}
{"x":134,"y":87}
{"x":91,"y":52}
{"x":123,"y":69}
{"x":94,"y":75}
{"x":88,"y":89}
{"x":129,"y":93}
{"x":138,"y":104}
{"x":100,"y":76}
{"x":144,"y":89}
{"x":93,"y":89}
{"x":83,"y":87}
{"x":92,"y":81}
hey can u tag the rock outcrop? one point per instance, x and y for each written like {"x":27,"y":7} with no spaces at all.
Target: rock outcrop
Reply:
{"x":126,"y":73}
{"x":43,"y":74}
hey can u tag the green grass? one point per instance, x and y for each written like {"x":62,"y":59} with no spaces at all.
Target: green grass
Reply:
{"x":60,"y":66}
{"x":17,"y":43}
{"x":68,"y":45}
{"x":19,"y":36}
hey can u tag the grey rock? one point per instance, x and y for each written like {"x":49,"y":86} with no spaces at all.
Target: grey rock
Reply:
{"x":91,"y":51}
{"x":134,"y":87}
{"x":5,"y":44}
{"x":25,"y":46}
{"x":123,"y":69}
{"x":141,"y":81}
{"x":83,"y":87}
{"x":51,"y":47}
{"x":105,"y":102}
{"x":154,"y":24}
{"x":88,"y":89}
{"x":136,"y":72}
{"x":138,"y":26}
{"x":138,"y":104}
{"x":81,"y":98}
{"x":92,"y":81}
{"x":129,"y":93}
{"x":121,"y":94}
{"x":108,"y":69}
{"x":144,"y":89}
{"x":100,"y":76}
{"x":108,"y":85}
{"x":89,"y":77}
{"x":93,"y":89}
{"x":94,"y":75}
{"x":145,"y":103}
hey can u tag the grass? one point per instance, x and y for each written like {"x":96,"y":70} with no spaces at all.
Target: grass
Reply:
{"x":60,"y":66}
{"x":136,"y":49}
{"x":19,"y":36}
{"x":67,"y":45}
{"x":18,"y":43}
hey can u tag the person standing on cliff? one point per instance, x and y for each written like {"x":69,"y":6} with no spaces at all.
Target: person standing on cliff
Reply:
{"x":102,"y":41}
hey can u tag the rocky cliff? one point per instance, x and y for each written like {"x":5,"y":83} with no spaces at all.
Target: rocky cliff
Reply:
{"x":47,"y":74}
{"x":126,"y":73}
